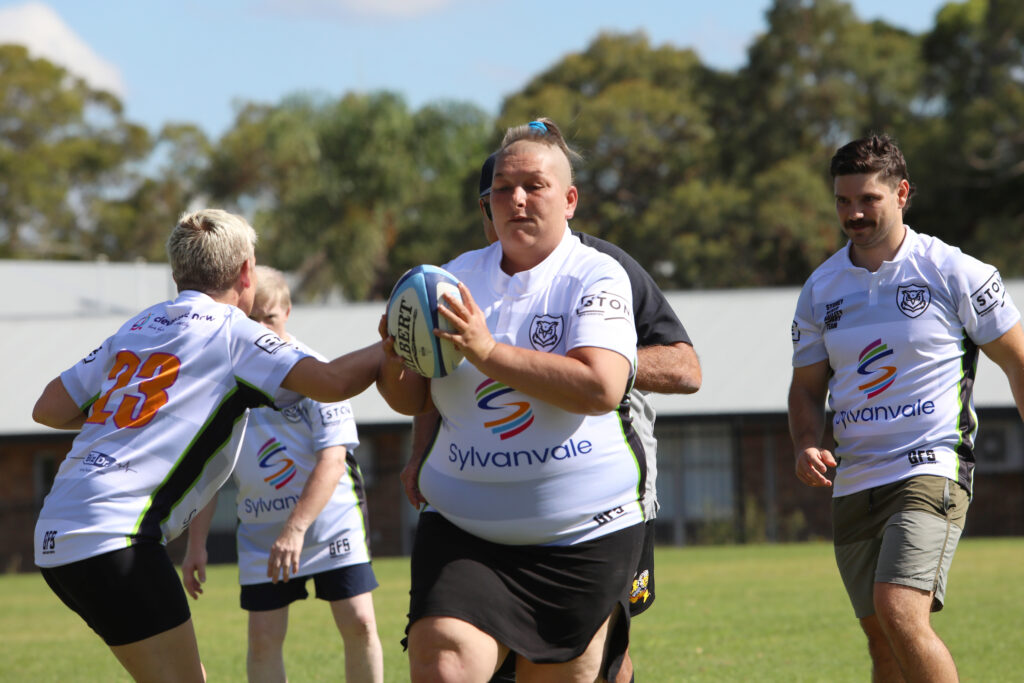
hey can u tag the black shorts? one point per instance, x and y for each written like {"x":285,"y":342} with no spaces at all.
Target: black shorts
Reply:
{"x":544,"y":602}
{"x":641,"y":589}
{"x":124,"y":596}
{"x":335,"y":584}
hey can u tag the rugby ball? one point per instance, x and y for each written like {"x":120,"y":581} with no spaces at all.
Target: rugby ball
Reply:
{"x":412,"y":316}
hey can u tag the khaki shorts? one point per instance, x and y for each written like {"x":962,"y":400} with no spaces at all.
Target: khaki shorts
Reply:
{"x":904,"y":533}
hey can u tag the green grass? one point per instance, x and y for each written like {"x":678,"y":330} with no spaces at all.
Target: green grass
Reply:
{"x":732,"y":613}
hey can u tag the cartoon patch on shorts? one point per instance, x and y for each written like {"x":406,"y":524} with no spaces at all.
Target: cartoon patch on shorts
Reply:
{"x":639,"y":593}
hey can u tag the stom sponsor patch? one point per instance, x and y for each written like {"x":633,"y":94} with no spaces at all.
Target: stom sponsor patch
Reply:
{"x":989,"y":296}
{"x":609,"y":305}
{"x":333,"y":414}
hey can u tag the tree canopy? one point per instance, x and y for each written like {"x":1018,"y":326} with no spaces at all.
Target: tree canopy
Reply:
{"x":709,"y":178}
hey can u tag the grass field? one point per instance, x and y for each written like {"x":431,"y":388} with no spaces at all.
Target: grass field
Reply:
{"x":732,"y":613}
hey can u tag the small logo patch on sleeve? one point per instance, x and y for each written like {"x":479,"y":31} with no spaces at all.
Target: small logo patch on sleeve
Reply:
{"x":989,"y":296}
{"x":607,"y":304}
{"x":271,"y":343}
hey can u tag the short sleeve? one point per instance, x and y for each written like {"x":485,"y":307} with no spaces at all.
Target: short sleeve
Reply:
{"x":602,"y":316}
{"x":808,"y":342}
{"x":84,"y":379}
{"x":262,"y":360}
{"x":333,"y":425}
{"x":984,"y":306}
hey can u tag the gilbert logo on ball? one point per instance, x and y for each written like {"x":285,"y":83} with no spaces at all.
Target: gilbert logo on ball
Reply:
{"x":412,"y":316}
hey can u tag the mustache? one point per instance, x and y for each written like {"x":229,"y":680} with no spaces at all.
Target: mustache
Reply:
{"x":860,"y":223}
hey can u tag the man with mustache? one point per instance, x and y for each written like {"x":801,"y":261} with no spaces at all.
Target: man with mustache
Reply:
{"x":889,"y":329}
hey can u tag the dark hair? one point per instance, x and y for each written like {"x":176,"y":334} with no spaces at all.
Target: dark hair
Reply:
{"x":487,"y":175}
{"x":872,"y":154}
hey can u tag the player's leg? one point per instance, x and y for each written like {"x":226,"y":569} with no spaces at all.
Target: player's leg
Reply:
{"x":904,"y":614}
{"x":364,"y":657}
{"x":916,"y":552}
{"x":448,"y":650}
{"x":347,"y":589}
{"x":264,"y":660}
{"x":857,"y":528}
{"x":584,"y":669}
{"x":133,"y":599}
{"x":267,"y":604}
{"x":641,"y":594}
{"x":164,"y":658}
{"x":884,"y":666}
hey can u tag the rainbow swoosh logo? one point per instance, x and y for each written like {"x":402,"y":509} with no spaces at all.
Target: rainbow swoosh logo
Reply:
{"x":285,"y":465}
{"x":519,"y":413}
{"x":886,"y":374}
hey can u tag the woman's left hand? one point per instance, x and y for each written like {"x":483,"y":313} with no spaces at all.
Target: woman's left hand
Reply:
{"x":470,"y":334}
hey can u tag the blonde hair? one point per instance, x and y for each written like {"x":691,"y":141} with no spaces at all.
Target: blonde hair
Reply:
{"x":544,"y":131}
{"x":271,"y":288}
{"x":207,"y":248}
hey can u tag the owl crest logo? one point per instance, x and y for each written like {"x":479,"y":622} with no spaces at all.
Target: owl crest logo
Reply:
{"x":546,"y":331}
{"x":912,"y":300}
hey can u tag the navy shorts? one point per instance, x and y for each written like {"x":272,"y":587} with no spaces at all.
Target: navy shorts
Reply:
{"x":124,"y":596}
{"x":335,"y":584}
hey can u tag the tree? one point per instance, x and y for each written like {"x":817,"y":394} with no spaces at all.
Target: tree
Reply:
{"x":972,"y":178}
{"x":63,"y":147}
{"x":136,"y":226}
{"x":820,"y":77}
{"x":640,"y":117}
{"x":352,"y":192}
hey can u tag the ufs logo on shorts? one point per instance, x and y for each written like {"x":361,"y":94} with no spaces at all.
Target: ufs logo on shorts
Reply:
{"x":546,"y":331}
{"x":912,"y":300}
{"x":519,"y":417}
{"x":285,"y":465}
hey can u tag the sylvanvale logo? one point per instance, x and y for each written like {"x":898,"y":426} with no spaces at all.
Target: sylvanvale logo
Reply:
{"x":883,"y":376}
{"x":889,"y":413}
{"x":285,"y":466}
{"x":519,"y":414}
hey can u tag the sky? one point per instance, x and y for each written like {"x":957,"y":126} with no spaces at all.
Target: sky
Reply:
{"x":196,"y":60}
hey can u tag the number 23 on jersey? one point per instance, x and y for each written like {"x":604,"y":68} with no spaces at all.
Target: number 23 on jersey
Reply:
{"x":155,"y":375}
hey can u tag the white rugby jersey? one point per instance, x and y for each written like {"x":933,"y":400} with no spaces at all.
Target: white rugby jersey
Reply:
{"x":277,"y":456}
{"x":903,"y":346}
{"x":508,"y":467}
{"x":162,"y":394}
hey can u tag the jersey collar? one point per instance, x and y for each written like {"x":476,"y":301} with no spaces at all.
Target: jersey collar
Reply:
{"x":535,"y":278}
{"x":909,"y":242}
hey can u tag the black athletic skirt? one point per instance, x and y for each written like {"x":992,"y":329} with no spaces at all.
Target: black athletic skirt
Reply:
{"x":544,"y":602}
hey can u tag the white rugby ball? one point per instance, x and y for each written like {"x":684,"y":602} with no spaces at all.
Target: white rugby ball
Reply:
{"x":412,"y":316}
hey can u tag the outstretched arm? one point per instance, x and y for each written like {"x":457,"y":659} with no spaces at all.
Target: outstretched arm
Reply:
{"x":338,"y":380}
{"x":284,"y":554}
{"x":807,"y":423}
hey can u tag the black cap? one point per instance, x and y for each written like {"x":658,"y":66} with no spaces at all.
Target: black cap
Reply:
{"x":487,"y":175}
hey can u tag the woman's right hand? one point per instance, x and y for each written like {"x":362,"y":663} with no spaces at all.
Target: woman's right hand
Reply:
{"x":470,"y":334}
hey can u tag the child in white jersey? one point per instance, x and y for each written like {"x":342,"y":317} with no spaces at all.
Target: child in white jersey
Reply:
{"x":302,"y":514}
{"x":156,"y":404}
